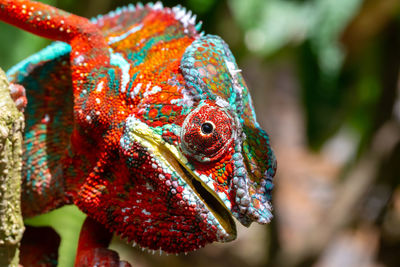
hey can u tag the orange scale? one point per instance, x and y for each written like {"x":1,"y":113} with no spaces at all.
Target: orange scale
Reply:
{"x":153,"y":113}
{"x":228,"y":168}
{"x":157,"y":124}
{"x":205,"y":54}
{"x":257,"y":172}
{"x":247,"y":121}
{"x":172,"y":89}
{"x":166,"y":110}
{"x":176,"y":107}
{"x":215,"y":55}
{"x":162,"y":97}
{"x":214,"y":61}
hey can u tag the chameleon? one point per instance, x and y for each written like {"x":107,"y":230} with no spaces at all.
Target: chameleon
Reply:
{"x":144,"y":122}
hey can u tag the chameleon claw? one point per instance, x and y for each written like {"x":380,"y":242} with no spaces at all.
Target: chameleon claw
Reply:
{"x":17,"y":93}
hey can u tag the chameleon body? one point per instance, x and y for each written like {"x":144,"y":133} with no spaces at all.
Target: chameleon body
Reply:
{"x":143,"y":122}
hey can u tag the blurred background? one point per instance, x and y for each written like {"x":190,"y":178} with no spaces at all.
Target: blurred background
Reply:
{"x":324,"y":77}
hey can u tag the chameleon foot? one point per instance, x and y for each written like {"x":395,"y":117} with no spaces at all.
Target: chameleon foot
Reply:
{"x":39,"y":247}
{"x":100,"y":257}
{"x":18,"y":95}
{"x":92,"y":248}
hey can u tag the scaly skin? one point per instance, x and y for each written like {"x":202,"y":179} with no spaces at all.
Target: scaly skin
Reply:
{"x":144,"y":123}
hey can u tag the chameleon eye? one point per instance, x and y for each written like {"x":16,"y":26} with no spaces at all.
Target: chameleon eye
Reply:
{"x":206,"y":133}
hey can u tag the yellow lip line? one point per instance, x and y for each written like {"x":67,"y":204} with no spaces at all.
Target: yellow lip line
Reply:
{"x":226,"y":223}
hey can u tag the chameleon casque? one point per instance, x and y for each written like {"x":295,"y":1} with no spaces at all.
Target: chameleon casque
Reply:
{"x":142,"y":121}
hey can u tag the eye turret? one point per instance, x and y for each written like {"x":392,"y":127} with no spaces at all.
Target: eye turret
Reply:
{"x":207,"y":132}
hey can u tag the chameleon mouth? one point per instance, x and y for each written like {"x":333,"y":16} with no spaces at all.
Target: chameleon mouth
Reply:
{"x":209,"y":198}
{"x":170,"y":157}
{"x":214,"y":204}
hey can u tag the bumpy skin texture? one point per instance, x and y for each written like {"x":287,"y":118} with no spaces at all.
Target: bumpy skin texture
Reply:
{"x":144,"y":123}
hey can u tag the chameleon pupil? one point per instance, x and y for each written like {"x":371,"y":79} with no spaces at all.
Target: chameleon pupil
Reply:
{"x":207,"y":128}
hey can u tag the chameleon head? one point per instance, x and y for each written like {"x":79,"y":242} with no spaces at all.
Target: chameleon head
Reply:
{"x":180,"y":183}
{"x":242,"y":174}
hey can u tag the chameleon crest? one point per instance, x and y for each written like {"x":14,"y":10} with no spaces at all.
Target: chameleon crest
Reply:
{"x":144,"y":123}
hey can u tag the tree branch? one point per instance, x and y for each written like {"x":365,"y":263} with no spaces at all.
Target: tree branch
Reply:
{"x":11,"y":223}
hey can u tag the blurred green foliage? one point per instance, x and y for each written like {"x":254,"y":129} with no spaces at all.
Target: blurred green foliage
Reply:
{"x":66,"y":221}
{"x":337,"y":92}
{"x":315,"y":28}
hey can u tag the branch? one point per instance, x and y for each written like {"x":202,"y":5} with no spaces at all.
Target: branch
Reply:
{"x":11,"y":223}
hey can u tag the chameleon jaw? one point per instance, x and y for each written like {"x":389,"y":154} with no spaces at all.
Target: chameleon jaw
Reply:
{"x":170,"y":158}
{"x":207,"y":196}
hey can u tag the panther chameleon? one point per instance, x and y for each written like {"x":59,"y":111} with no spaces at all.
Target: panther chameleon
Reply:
{"x":142,"y":121}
